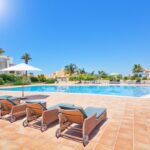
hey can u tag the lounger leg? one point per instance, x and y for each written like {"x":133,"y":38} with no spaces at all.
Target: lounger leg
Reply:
{"x":62,"y":123}
{"x":1,"y":111}
{"x":48,"y":117}
{"x":43,"y":127}
{"x":25,"y":123}
{"x":12,"y":119}
{"x":58,"y":133}
{"x":0,"y":114}
{"x":85,"y":140}
{"x":28,"y":115}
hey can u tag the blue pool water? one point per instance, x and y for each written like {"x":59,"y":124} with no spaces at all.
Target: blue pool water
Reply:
{"x":136,"y":91}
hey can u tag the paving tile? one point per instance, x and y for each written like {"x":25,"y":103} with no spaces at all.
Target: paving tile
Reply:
{"x":118,"y":132}
{"x":125,"y":133}
{"x":141,"y":146}
{"x":103,"y":147}
{"x":109,"y":138}
{"x":124,"y":143}
{"x":90,"y":146}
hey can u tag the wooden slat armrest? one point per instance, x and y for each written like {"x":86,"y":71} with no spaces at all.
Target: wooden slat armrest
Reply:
{"x":18,"y":108}
{"x":50,"y":116}
{"x":89,"y":124}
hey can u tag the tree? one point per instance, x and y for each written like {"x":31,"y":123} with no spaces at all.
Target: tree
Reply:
{"x":41,"y":78}
{"x":82,"y":71}
{"x":26,"y":57}
{"x":102,"y":74}
{"x":70,"y":69}
{"x":137,"y":69}
{"x":92,"y":73}
{"x":2,"y":51}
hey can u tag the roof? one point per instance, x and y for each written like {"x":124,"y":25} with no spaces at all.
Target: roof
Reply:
{"x":146,"y":70}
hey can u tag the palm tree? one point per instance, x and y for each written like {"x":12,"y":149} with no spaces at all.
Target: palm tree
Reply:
{"x":137,"y":69}
{"x":2,"y":51}
{"x":26,"y":57}
{"x":92,"y":73}
{"x":70,"y":69}
{"x":82,"y":71}
{"x":102,"y":74}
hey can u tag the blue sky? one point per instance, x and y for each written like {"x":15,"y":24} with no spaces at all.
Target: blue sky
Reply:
{"x":94,"y":34}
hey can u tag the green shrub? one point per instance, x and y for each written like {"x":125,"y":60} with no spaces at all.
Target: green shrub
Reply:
{"x":138,"y":79}
{"x":102,"y":74}
{"x":144,"y":78}
{"x":90,"y":77}
{"x":83,"y":77}
{"x":125,"y":78}
{"x":9,"y":77}
{"x":133,"y":78}
{"x":20,"y":82}
{"x":50,"y":81}
{"x":34,"y":79}
{"x":74,"y":78}
{"x":41,"y":78}
{"x":111,"y":78}
{"x":1,"y":81}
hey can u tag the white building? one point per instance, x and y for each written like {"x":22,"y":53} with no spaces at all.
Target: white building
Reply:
{"x":147,"y":73}
{"x":5,"y":62}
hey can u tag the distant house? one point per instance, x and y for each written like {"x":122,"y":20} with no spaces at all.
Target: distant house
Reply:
{"x":147,"y":73}
{"x":5,"y":62}
{"x":60,"y":75}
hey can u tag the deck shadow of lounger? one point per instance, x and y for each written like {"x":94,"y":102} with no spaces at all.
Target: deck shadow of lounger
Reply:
{"x":12,"y":110}
{"x":87,"y":119}
{"x":11,"y":119}
{"x":38,"y":116}
{"x":76,"y":135}
{"x":38,"y":124}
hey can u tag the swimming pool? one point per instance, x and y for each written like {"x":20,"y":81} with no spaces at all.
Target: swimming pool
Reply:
{"x":135,"y":91}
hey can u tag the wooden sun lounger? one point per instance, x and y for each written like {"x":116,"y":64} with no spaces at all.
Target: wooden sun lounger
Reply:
{"x":39,"y":112}
{"x":12,"y":98}
{"x":88,"y":119}
{"x":12,"y":108}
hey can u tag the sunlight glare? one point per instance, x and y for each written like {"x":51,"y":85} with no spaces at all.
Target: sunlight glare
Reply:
{"x":4,"y":8}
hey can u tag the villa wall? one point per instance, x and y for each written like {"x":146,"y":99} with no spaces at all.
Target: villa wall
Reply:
{"x":5,"y":62}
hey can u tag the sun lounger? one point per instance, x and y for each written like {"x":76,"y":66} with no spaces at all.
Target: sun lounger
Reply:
{"x":88,"y":118}
{"x":38,"y":112}
{"x":12,"y":98}
{"x":12,"y":108}
{"x":5,"y":97}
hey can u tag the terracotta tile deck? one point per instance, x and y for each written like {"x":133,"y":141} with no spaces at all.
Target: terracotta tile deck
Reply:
{"x":127,"y":127}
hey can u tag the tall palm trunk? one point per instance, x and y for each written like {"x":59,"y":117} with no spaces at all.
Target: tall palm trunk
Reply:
{"x":26,"y":73}
{"x":26,"y":57}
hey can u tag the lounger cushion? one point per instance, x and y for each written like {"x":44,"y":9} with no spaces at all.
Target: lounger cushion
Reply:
{"x":5,"y":97}
{"x":92,"y":110}
{"x":12,"y":102}
{"x":12,"y":98}
{"x":69,"y":107}
{"x":75,"y":107}
{"x":34,"y":101}
{"x":66,"y":106}
{"x":37,"y":102}
{"x":62,"y":106}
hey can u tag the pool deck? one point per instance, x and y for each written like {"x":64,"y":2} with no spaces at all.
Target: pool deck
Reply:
{"x":127,"y":126}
